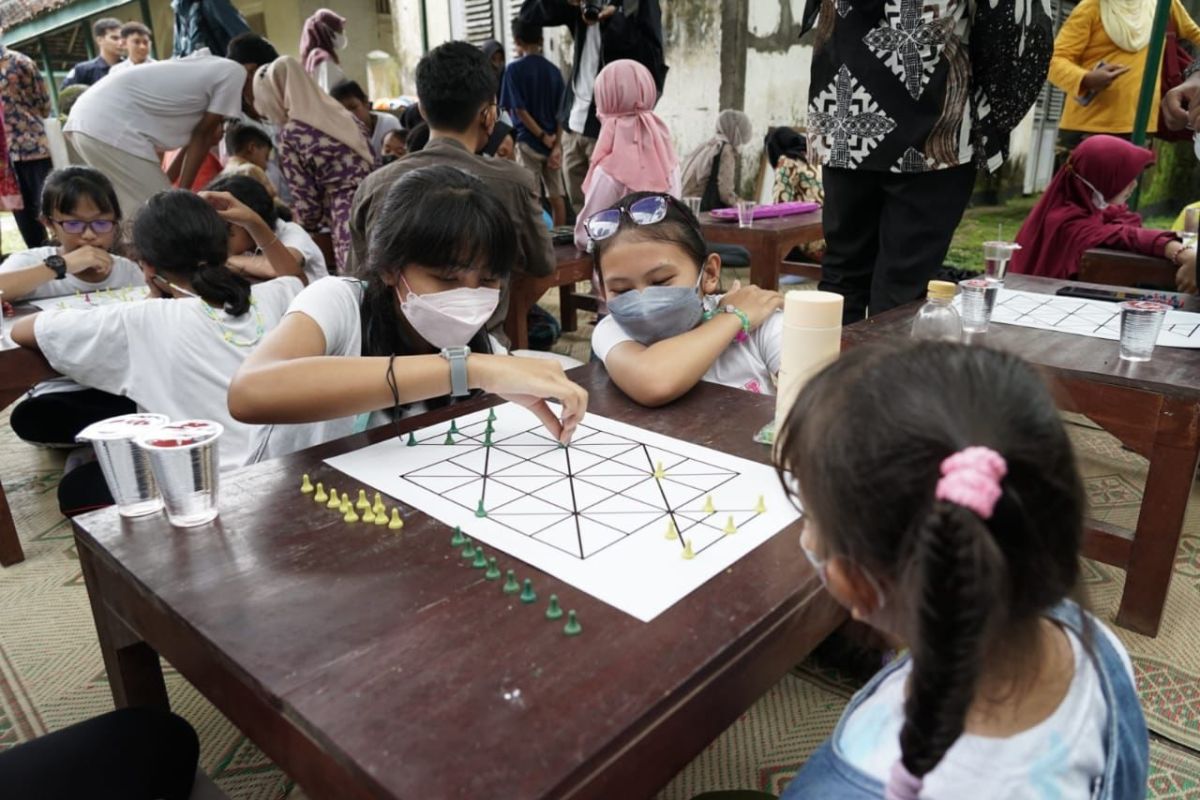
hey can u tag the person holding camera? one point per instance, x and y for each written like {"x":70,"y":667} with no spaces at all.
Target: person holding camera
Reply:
{"x":604,"y":31}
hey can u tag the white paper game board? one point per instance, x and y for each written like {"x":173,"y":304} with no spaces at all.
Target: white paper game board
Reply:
{"x":86,"y":300}
{"x":594,"y":514}
{"x":1095,"y":318}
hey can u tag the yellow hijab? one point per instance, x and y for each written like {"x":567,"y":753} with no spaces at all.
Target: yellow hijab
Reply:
{"x":284,"y":91}
{"x":1128,"y":22}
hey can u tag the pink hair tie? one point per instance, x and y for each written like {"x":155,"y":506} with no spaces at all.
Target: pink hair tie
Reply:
{"x":971,"y":479}
{"x":902,"y":784}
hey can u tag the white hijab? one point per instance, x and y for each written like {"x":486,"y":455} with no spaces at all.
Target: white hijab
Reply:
{"x":733,"y":128}
{"x":1128,"y":22}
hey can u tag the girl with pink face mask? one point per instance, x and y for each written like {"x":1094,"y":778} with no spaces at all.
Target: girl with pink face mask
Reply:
{"x":410,"y":336}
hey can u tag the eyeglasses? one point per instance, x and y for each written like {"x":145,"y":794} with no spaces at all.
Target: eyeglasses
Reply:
{"x":77,"y":226}
{"x":647,"y":211}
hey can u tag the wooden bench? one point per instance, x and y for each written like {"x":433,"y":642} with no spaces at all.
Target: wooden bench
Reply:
{"x":1121,"y":268}
{"x":572,"y":266}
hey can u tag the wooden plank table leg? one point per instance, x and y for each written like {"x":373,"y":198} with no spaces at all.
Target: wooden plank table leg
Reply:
{"x":567,"y":310}
{"x":10,"y":544}
{"x":1160,"y":521}
{"x":764,"y":263}
{"x":134,"y":671}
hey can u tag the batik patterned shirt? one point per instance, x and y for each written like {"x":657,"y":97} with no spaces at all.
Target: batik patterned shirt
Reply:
{"x":26,"y":104}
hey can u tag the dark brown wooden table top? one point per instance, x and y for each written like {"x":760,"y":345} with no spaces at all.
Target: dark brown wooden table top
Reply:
{"x":420,"y":679}
{"x":771,"y":224}
{"x":1172,"y":370}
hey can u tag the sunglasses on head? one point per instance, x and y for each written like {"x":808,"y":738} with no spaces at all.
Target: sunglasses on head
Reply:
{"x":646,"y":211}
{"x":77,"y":226}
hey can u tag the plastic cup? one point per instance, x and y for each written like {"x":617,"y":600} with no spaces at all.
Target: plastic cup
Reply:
{"x":978,"y":299}
{"x":1141,"y":321}
{"x":125,"y":466}
{"x":184,"y":458}
{"x":745,"y":212}
{"x":1191,"y":226}
{"x":996,"y":257}
{"x":693,"y":203}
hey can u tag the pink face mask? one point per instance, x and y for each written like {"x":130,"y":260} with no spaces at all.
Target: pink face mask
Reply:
{"x":450,"y":318}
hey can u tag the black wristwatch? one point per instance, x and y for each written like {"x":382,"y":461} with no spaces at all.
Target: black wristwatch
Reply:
{"x":58,"y":264}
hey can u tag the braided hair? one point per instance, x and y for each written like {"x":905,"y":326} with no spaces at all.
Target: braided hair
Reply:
{"x":865,"y":443}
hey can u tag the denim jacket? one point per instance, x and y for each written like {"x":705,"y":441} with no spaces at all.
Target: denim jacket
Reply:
{"x":1127,"y":747}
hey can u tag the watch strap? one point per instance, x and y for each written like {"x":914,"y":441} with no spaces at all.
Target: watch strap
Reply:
{"x":58,"y":264}
{"x":457,"y":358}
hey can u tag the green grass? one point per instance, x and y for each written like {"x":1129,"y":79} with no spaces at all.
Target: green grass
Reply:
{"x":10,"y":237}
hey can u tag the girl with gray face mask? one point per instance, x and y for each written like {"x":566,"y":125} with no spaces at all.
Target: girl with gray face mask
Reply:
{"x":669,"y":326}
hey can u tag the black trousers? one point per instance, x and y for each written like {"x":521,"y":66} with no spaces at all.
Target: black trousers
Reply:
{"x":129,"y":754}
{"x":886,"y":234}
{"x":31,"y":176}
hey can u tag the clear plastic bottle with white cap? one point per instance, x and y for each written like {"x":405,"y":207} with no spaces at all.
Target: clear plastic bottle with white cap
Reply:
{"x":938,"y":319}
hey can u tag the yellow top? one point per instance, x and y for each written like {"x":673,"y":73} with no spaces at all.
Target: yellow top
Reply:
{"x":1080,"y":46}
{"x":942,"y":290}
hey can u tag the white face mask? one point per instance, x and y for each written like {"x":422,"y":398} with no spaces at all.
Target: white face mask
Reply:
{"x":450,"y":318}
{"x":339,"y":41}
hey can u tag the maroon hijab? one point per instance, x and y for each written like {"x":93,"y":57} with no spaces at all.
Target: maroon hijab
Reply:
{"x":1067,"y":221}
{"x":316,"y":38}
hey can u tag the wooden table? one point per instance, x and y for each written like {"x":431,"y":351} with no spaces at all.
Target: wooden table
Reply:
{"x":572,"y":267}
{"x":1123,"y":268}
{"x":374,"y":665}
{"x":20,"y":369}
{"x":1153,"y":408}
{"x":768,"y":240}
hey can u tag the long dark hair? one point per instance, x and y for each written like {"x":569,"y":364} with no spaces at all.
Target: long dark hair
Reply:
{"x":178,"y":233}
{"x":679,"y":227}
{"x":65,"y":187}
{"x":865,"y":441}
{"x":438,"y":217}
{"x":249,"y":192}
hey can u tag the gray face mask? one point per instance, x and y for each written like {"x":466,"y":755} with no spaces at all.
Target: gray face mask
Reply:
{"x":658,"y":312}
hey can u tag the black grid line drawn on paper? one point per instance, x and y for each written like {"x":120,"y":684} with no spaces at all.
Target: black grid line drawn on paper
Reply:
{"x":1072,"y":315}
{"x":581,"y":499}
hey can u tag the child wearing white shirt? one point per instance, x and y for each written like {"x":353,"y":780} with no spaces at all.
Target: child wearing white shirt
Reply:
{"x":668,"y":327}
{"x":176,"y":352}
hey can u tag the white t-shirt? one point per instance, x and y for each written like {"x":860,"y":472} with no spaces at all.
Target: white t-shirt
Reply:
{"x":750,"y":365}
{"x":585,"y":79}
{"x":334,"y":304}
{"x":125,"y":64}
{"x":124,"y":273}
{"x":158,"y":105}
{"x":167,"y":355}
{"x":1059,"y":757}
{"x":295,"y":237}
{"x":384,"y":124}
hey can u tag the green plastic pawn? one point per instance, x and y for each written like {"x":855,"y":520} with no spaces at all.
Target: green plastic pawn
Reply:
{"x":510,"y":583}
{"x":412,"y":440}
{"x":449,"y":438}
{"x":457,"y":540}
{"x":493,"y":572}
{"x":469,"y":550}
{"x":480,"y":559}
{"x":554,"y":611}
{"x":491,"y":415}
{"x":454,"y":427}
{"x":487,"y":439}
{"x":481,"y":512}
{"x":572,"y":628}
{"x":528,"y":595}
{"x":488,"y":428}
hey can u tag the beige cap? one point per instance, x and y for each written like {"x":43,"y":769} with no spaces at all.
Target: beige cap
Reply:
{"x":805,"y":309}
{"x":942,"y":290}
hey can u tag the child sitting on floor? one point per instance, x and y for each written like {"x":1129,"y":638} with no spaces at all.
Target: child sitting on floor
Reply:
{"x":174,"y":353}
{"x":943,"y":507}
{"x":668,"y":326}
{"x":79,"y":207}
{"x":409,"y":335}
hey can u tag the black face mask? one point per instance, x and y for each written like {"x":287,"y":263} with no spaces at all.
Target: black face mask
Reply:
{"x":388,"y":159}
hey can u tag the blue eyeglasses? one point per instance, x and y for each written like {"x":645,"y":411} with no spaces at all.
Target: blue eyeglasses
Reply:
{"x":77,"y":226}
{"x":647,"y":211}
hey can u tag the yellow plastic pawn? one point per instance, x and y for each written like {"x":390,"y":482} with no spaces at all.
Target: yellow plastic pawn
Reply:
{"x":368,"y":516}
{"x":348,"y":512}
{"x":319,"y":496}
{"x":381,"y":518}
{"x":396,"y":523}
{"x":672,"y":531}
{"x":659,"y":472}
{"x":708,"y":505}
{"x":306,"y":485}
{"x":730,"y":528}
{"x":379,"y":507}
{"x":688,"y":552}
{"x":363,"y":502}
{"x":761,"y":506}
{"x":334,"y":501}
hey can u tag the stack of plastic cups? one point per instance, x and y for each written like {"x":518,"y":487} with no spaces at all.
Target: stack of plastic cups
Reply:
{"x":812,"y":339}
{"x":996,"y":258}
{"x":126,"y":468}
{"x":186,"y":464}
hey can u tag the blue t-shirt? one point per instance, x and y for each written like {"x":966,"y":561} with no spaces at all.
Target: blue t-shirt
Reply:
{"x":536,"y":85}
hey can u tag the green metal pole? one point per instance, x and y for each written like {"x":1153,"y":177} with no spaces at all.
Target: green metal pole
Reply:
{"x":48,"y":68}
{"x":88,"y":44}
{"x":1150,"y":77}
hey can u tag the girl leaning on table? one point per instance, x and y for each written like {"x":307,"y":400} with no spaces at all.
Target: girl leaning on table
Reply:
{"x":406,"y":338}
{"x":173,"y":353}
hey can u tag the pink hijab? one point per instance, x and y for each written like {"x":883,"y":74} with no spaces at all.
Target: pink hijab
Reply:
{"x":634,"y":146}
{"x":1067,"y":221}
{"x":316,"y":39}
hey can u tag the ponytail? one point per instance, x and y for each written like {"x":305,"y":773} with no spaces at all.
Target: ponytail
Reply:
{"x":959,"y":579}
{"x":217,"y":285}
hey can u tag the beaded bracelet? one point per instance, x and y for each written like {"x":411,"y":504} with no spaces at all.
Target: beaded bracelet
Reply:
{"x":744,"y":334}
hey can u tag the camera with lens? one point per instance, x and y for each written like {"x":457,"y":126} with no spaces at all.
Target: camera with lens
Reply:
{"x":591,"y":11}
